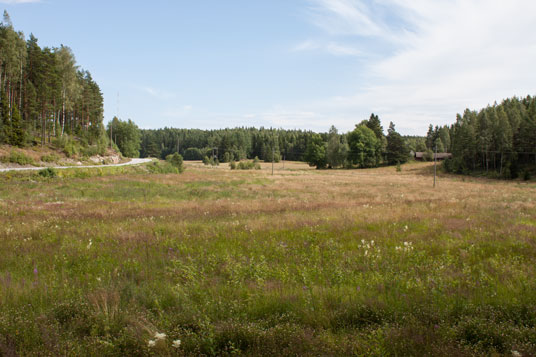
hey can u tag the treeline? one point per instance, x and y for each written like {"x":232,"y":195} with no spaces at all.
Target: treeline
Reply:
{"x":226,"y":144}
{"x":44,"y":94}
{"x":499,"y":140}
{"x":365,"y":146}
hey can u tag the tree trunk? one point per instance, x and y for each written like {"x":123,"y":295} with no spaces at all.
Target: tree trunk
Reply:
{"x":63,"y":114}
{"x":500,"y":170}
{"x":43,"y":115}
{"x":1,"y":75}
{"x":20,"y":93}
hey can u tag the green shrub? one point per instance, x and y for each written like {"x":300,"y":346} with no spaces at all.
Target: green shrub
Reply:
{"x":90,"y":150}
{"x":50,"y":158}
{"x":212,"y":161}
{"x":193,"y":154}
{"x":176,"y":161}
{"x":245,"y":165}
{"x":68,"y":145}
{"x":16,"y":157}
{"x":49,"y":172}
{"x":232,"y":165}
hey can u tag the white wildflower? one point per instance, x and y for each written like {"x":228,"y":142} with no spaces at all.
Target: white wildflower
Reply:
{"x":176,"y":343}
{"x":160,"y":336}
{"x":89,"y":245}
{"x":366,"y":253}
{"x":363,"y":241}
{"x":151,"y":343}
{"x":371,"y":242}
{"x":516,"y":354}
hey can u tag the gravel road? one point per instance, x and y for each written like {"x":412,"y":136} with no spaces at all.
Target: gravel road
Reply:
{"x":131,"y":162}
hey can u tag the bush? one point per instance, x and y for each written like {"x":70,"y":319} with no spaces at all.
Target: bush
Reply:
{"x":526,"y":175}
{"x":16,"y":157}
{"x":68,"y":145}
{"x":211,"y":161}
{"x":176,"y":161}
{"x":49,"y":172}
{"x":50,"y":158}
{"x":193,"y":154}
{"x":245,"y":165}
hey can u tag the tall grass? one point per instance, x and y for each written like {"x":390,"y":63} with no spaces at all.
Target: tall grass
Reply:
{"x":371,"y":262}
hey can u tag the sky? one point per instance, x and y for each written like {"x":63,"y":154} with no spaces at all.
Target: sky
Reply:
{"x":294,"y":64}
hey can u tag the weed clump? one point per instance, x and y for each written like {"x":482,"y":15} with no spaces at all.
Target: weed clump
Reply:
{"x":246,"y":165}
{"x":162,"y":168}
{"x":210,"y":161}
{"x":49,"y":172}
{"x":50,"y":158}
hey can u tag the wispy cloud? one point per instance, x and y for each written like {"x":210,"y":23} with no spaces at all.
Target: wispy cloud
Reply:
{"x":18,"y":1}
{"x":445,"y":55}
{"x":157,"y":93}
{"x":333,"y":48}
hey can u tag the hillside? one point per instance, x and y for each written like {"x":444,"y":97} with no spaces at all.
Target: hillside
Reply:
{"x":50,"y":155}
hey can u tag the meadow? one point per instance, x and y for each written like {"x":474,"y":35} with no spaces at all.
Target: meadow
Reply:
{"x":305,"y":262}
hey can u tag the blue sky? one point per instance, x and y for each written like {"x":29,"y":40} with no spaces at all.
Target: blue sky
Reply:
{"x":293,"y":63}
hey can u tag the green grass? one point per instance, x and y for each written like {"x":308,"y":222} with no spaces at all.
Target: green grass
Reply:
{"x":246,"y":263}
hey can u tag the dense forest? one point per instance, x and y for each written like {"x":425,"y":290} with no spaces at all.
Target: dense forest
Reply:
{"x":499,"y":140}
{"x":226,"y":144}
{"x":44,"y":94}
{"x":366,"y":146}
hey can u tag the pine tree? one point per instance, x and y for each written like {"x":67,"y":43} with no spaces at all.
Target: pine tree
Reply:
{"x":18,"y":131}
{"x":397,"y":150}
{"x":5,"y":117}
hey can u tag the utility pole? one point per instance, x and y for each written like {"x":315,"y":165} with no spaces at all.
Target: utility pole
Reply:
{"x":111,"y":126}
{"x":435,"y":165}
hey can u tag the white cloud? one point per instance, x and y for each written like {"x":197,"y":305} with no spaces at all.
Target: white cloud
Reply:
{"x":445,"y":56}
{"x":18,"y":1}
{"x":333,"y":48}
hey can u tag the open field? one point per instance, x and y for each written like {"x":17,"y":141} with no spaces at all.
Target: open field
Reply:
{"x":305,"y":262}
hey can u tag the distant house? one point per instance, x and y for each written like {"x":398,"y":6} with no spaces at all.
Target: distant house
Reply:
{"x":420,"y":156}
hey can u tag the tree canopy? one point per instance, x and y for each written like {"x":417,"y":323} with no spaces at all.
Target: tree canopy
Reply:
{"x":499,"y":139}
{"x":44,"y":93}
